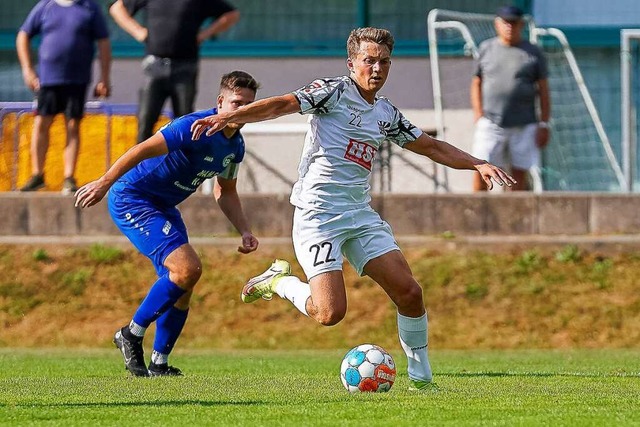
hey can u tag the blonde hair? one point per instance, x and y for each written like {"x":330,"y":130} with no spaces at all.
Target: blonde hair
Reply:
{"x":368,"y":34}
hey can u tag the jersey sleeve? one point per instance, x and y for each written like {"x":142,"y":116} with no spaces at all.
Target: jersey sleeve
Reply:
{"x":33,"y":24}
{"x":543,"y":69}
{"x":230,"y":172}
{"x":99,"y":25}
{"x":402,"y":130}
{"x":477,"y":63}
{"x":320,"y":96}
{"x":177,"y":134}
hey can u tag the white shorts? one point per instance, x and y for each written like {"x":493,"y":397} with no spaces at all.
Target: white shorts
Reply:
{"x":506,"y":147}
{"x":320,"y":239}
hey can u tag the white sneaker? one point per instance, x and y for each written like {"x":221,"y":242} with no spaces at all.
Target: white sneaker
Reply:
{"x":263,"y":286}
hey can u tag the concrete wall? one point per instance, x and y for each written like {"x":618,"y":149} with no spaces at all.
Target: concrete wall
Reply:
{"x":49,"y":214}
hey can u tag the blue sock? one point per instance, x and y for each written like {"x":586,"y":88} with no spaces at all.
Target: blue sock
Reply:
{"x":162,"y":296}
{"x":168,"y":329}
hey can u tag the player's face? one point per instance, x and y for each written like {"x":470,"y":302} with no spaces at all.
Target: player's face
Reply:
{"x":509,"y":32}
{"x":232,"y":100}
{"x":370,"y":68}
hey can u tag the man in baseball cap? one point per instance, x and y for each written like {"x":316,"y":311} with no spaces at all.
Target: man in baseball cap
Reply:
{"x":510,"y":13}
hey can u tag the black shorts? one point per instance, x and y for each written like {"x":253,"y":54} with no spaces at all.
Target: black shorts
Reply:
{"x":67,"y":99}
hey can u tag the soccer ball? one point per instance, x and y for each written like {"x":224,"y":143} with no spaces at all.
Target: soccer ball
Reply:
{"x":369,"y":368}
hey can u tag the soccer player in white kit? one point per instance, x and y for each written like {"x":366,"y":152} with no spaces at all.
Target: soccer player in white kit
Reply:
{"x":333,"y":218}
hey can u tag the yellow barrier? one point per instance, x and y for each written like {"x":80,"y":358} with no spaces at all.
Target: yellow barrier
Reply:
{"x":103,"y":139}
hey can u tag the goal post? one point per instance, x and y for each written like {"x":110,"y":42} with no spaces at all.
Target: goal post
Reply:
{"x":629,"y":38}
{"x":579,"y":156}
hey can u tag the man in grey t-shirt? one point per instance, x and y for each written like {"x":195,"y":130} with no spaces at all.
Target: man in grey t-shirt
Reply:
{"x":510,"y":75}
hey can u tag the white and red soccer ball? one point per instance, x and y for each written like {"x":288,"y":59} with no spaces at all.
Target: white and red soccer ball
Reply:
{"x":367,"y":368}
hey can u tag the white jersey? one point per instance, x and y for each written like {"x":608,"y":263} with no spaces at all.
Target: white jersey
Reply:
{"x":344,"y":136}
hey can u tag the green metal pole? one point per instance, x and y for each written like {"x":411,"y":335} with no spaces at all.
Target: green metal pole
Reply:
{"x":363,"y":13}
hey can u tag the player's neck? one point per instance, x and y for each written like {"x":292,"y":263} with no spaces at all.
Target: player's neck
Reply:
{"x":229,"y":132}
{"x":368,"y":96}
{"x":513,"y":41}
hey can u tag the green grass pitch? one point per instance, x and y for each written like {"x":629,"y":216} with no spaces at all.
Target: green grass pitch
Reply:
{"x":302,"y":388}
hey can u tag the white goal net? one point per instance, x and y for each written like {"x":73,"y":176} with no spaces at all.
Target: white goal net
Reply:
{"x":579,"y":156}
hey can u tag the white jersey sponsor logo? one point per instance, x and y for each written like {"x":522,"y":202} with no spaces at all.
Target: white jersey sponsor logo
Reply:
{"x":360,"y":153}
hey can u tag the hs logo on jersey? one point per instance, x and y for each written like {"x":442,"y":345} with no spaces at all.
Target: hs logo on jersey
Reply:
{"x":384,"y":127}
{"x":360,"y":153}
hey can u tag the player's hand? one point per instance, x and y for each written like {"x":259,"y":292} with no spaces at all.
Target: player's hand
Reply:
{"x":31,"y":79}
{"x":141,"y":35}
{"x":102,"y":90}
{"x":249,"y":243}
{"x":491,"y":173}
{"x":211,"y":124}
{"x":90,"y":194}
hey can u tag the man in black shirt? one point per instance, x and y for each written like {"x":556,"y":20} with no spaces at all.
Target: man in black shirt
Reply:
{"x":172,"y":38}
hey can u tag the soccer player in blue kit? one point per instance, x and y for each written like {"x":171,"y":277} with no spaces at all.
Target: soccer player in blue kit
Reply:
{"x":144,"y":186}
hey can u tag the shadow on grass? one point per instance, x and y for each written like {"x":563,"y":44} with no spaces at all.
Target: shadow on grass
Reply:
{"x":538,"y":374}
{"x":136,"y":404}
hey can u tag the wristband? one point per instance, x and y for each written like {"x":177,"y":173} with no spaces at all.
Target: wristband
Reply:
{"x":544,"y":125}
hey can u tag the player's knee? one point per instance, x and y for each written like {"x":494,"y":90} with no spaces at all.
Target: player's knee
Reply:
{"x":187,"y":275}
{"x":329,"y":316}
{"x":411,"y":295}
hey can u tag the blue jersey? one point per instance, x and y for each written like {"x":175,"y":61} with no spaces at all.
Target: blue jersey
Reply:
{"x":169,"y":179}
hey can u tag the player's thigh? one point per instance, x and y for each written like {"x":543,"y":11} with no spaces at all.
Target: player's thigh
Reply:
{"x":154,"y":232}
{"x":50,"y":101}
{"x":317,"y":241}
{"x":184,"y":88}
{"x":525,"y":154}
{"x":369,"y":237}
{"x":75,"y":96}
{"x":489,"y":142}
{"x":392,"y":272}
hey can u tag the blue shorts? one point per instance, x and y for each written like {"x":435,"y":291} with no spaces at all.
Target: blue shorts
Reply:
{"x":155,"y":231}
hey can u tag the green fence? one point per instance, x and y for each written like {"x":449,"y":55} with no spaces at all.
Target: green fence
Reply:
{"x":267,"y":28}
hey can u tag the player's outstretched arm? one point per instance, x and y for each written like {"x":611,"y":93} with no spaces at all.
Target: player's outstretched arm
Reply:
{"x":448,"y":155}
{"x":226,"y":195}
{"x":258,"y":111}
{"x":94,"y":191}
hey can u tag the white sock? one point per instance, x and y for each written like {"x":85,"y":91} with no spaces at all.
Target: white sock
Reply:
{"x":413,"y":338}
{"x":159,"y":358}
{"x":295,"y":290}
{"x":136,"y":329}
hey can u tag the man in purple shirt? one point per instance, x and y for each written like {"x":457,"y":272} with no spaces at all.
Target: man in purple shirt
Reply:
{"x":69,"y":30}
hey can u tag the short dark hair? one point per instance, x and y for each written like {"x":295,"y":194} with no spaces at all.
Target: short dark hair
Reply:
{"x":368,"y":34}
{"x":238,"y":79}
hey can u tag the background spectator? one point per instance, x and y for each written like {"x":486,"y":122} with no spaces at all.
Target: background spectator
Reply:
{"x":172,"y":38}
{"x":510,"y":75}
{"x":69,"y":29}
